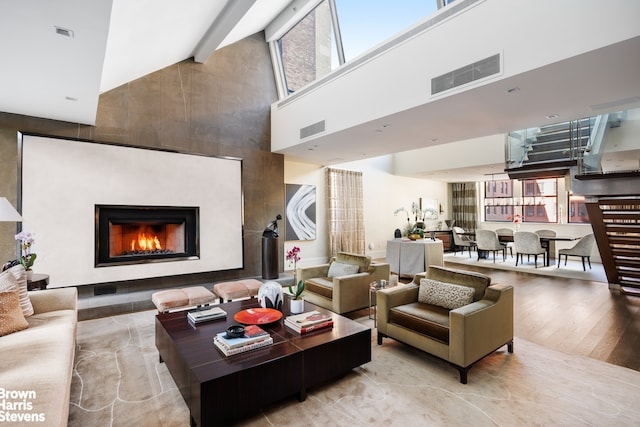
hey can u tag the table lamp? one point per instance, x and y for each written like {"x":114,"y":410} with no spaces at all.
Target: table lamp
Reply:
{"x":7,"y":212}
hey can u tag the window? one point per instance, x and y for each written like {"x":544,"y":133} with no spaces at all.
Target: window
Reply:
{"x":315,"y":45}
{"x":308,"y":49}
{"x":367,"y":23}
{"x":577,"y":211}
{"x":498,"y":200}
{"x":536,"y":200}
{"x":540,"y":200}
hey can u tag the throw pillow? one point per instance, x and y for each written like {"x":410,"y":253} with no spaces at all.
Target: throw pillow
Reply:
{"x":447,"y":295}
{"x":337,"y":269}
{"x":11,"y":317}
{"x":21,"y":278}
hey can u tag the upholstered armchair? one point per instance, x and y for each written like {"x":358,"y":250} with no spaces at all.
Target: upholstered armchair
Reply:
{"x":582,"y":249}
{"x":487,"y":241}
{"x":506,"y":232}
{"x":342,"y":285}
{"x":459,"y":324}
{"x":528,"y":243}
{"x":461,"y":241}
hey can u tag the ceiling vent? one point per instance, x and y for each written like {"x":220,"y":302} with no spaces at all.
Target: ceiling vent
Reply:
{"x":313,"y":129}
{"x":463,"y":75}
{"x":64,"y":32}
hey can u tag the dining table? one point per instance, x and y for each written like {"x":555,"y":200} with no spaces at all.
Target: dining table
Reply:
{"x":547,"y":242}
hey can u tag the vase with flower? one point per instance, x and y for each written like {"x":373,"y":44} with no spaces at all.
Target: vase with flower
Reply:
{"x":517,"y":220}
{"x":27,"y":257}
{"x":295,"y":290}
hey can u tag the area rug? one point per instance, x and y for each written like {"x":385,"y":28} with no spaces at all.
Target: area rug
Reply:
{"x":118,"y":381}
{"x":573,"y":269}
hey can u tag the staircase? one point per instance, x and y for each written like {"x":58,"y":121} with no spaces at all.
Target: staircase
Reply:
{"x":616,"y":226}
{"x":549,"y":151}
{"x":612,"y":199}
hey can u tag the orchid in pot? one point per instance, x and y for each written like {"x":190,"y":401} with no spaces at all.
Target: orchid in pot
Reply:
{"x":297,"y":304}
{"x":27,"y":240}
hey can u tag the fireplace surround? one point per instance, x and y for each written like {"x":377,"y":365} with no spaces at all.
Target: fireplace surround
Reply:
{"x":143,"y":234}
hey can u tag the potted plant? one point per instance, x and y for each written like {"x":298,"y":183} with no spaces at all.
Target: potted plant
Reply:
{"x":297,"y":303}
{"x":27,"y":258}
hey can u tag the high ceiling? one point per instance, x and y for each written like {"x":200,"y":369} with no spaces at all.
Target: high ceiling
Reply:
{"x":107,"y":43}
{"x":59,"y":55}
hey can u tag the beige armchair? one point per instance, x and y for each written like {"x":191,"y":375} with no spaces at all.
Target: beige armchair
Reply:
{"x":338,"y":287}
{"x":461,"y":336}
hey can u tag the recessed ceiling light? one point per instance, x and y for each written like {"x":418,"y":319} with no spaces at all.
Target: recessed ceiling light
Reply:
{"x":63,"y":31}
{"x":513,"y":90}
{"x":552,"y":116}
{"x":70,"y":98}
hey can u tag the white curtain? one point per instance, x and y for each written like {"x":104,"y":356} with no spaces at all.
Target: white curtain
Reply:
{"x":345,"y":211}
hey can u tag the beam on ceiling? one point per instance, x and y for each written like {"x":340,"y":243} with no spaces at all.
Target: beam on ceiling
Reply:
{"x":232,"y":13}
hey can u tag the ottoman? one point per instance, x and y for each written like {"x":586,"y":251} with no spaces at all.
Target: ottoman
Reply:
{"x":245,"y":288}
{"x":182,"y":298}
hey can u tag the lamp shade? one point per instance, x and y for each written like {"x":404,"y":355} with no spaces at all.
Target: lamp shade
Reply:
{"x":8,"y":212}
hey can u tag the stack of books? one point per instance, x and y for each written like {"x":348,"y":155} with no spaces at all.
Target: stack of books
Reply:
{"x":254,"y":337}
{"x":204,"y":314}
{"x":310,"y":321}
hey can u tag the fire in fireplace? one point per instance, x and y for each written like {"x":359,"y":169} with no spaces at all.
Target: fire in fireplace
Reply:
{"x":138,"y":234}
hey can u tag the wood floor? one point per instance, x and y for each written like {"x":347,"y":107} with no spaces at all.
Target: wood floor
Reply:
{"x":573,"y":316}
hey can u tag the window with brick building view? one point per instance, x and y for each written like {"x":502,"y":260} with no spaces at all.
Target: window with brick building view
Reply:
{"x":535,"y":200}
{"x":314,"y":46}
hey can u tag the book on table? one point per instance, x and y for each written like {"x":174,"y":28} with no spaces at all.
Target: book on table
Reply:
{"x":252,"y":334}
{"x":306,"y":329}
{"x":264,"y":342}
{"x":203,"y":314}
{"x":309,"y":321}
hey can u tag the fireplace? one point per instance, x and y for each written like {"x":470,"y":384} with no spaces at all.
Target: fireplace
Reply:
{"x":142,"y":234}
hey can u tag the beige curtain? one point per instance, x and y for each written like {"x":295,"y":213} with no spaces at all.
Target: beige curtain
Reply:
{"x":465,"y":205}
{"x":345,"y":211}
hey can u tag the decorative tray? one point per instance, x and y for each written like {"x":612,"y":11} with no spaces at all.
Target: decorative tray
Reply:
{"x":258,"y":316}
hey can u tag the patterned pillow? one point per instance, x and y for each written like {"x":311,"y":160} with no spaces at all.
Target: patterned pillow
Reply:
{"x":11,"y":317}
{"x":21,"y":278}
{"x":337,"y":269}
{"x":447,"y":295}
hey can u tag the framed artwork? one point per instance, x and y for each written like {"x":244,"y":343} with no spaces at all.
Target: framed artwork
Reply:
{"x":300,"y":212}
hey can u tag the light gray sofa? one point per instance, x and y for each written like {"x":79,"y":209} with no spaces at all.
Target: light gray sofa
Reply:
{"x":38,"y":361}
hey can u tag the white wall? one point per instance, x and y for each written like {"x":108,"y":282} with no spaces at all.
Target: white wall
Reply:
{"x":63,"y":180}
{"x":383,"y":193}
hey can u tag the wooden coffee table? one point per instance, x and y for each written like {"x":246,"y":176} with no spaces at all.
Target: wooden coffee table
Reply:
{"x":219,"y":389}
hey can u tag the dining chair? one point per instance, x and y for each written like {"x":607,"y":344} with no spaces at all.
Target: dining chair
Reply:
{"x":545,"y":233}
{"x":506,"y":232}
{"x":487,"y":240}
{"x":582,"y":249}
{"x":461,"y":241}
{"x":528,"y":243}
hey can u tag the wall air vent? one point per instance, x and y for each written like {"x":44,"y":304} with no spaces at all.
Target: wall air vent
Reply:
{"x":313,"y":129}
{"x":463,"y":75}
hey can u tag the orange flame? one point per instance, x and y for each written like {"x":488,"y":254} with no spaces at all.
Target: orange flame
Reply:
{"x":146,"y":242}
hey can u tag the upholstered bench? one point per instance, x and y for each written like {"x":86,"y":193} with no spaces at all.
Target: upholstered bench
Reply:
{"x":245,"y":288}
{"x":172,"y":299}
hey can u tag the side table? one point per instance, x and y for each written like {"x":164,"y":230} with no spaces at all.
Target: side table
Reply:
{"x":38,"y":282}
{"x":373,"y":288}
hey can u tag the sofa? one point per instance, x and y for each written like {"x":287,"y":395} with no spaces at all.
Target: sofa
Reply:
{"x":36,"y":362}
{"x":455,"y":315}
{"x":343,"y":284}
